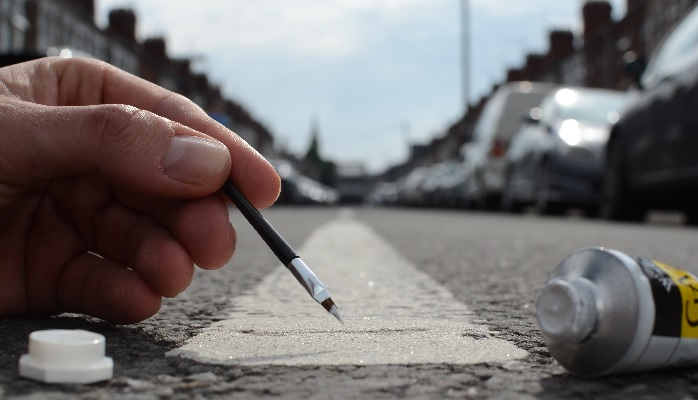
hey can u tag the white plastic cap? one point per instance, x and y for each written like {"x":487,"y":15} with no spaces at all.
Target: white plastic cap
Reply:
{"x":566,"y":310}
{"x":66,"y":356}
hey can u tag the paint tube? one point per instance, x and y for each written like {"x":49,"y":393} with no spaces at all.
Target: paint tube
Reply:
{"x":604,"y":312}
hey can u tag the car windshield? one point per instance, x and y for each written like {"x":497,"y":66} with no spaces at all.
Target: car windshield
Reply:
{"x":593,"y":108}
{"x":675,"y":50}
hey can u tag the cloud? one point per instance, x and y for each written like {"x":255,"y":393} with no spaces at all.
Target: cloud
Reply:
{"x":503,"y":8}
{"x":363,"y":68}
{"x":318,"y":28}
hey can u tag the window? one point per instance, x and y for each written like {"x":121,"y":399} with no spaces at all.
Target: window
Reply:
{"x":678,"y":51}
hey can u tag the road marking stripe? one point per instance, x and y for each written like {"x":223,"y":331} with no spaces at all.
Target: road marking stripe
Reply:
{"x":394,"y":313}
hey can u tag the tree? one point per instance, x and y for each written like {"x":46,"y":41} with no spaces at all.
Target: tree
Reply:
{"x":323,"y":170}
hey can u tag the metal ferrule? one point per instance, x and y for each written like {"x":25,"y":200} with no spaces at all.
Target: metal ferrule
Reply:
{"x":307,"y":278}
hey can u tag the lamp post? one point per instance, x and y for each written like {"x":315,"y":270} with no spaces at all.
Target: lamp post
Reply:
{"x":465,"y":52}
{"x":405,"y":129}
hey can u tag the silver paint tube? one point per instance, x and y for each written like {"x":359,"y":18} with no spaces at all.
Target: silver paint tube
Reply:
{"x":604,"y":312}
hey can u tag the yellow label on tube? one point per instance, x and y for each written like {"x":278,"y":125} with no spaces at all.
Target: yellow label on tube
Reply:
{"x":688,"y":287}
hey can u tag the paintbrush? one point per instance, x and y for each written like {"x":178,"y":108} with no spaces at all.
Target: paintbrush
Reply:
{"x":283,"y":251}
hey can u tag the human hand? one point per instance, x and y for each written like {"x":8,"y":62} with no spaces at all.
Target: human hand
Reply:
{"x":108,"y":190}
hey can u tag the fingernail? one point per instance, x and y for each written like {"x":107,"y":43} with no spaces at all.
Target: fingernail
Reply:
{"x":195,"y":160}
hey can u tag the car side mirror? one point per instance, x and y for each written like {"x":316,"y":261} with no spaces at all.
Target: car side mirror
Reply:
{"x":634,"y":66}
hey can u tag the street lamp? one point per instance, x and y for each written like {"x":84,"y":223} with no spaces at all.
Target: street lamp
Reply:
{"x":465,"y":51}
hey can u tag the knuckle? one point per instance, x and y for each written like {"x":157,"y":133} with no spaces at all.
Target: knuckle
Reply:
{"x":120,"y":127}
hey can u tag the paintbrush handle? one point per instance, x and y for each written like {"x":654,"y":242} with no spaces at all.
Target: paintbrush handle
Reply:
{"x":283,"y":251}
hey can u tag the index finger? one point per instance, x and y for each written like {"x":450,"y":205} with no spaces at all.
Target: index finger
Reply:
{"x":90,"y":82}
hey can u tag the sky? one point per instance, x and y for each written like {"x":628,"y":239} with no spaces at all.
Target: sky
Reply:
{"x":374,"y":76}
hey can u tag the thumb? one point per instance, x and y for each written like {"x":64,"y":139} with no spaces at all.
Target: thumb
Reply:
{"x":129,"y":147}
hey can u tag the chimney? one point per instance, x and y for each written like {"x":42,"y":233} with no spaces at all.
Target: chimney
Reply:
{"x":561,"y":44}
{"x":632,"y":5}
{"x":515,"y":75}
{"x":596,"y":15}
{"x":155,"y":47}
{"x":122,"y":23}
{"x":84,"y":8}
{"x":534,"y":65}
{"x":88,"y":8}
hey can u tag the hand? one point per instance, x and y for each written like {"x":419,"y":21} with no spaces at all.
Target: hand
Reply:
{"x":108,"y":190}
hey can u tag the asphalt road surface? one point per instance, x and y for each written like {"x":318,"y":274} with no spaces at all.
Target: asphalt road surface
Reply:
{"x":437,"y":304}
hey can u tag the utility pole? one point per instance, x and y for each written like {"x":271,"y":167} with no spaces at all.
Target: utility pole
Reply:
{"x":405,"y":129}
{"x":465,"y":52}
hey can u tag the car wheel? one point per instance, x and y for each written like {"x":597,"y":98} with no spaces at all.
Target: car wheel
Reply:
{"x":509,"y":201}
{"x":476,"y":202}
{"x":617,"y":200}
{"x":475,"y":194}
{"x":592,"y":211}
{"x":544,"y":204}
{"x":691,"y":216}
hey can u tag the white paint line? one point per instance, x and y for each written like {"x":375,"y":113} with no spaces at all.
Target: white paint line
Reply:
{"x":394,"y":313}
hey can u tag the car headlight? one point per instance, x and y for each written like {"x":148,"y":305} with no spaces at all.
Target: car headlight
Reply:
{"x":570,"y":133}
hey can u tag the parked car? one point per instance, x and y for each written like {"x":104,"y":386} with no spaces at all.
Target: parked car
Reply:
{"x":652,"y":154}
{"x":555,"y":160}
{"x":450,"y":186}
{"x":299,"y":189}
{"x":410,"y":187}
{"x":314,"y":192}
{"x":383,"y":193}
{"x":484,"y":154}
{"x":10,"y":58}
